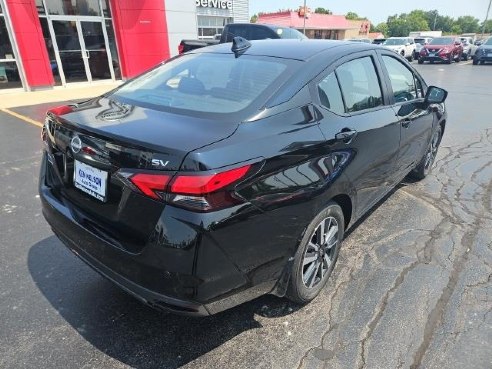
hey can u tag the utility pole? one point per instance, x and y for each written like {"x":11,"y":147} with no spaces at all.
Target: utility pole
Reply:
{"x":305,"y":11}
{"x":435,"y":19}
{"x":486,"y":19}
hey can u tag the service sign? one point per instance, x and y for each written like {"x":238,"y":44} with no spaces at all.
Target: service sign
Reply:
{"x":218,"y":4}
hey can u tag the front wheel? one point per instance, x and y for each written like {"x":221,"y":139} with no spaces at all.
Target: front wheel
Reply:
{"x":421,"y":61}
{"x":465,"y":57}
{"x":317,"y":254}
{"x":425,"y":165}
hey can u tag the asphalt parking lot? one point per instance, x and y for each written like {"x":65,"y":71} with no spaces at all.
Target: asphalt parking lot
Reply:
{"x":412,"y":288}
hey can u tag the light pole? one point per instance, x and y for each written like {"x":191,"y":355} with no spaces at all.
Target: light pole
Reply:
{"x":305,"y":16}
{"x":486,"y":18}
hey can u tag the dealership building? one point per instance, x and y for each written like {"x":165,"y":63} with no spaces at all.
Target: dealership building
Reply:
{"x":46,"y":43}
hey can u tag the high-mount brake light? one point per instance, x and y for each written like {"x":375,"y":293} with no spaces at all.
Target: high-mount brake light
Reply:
{"x":60,"y":110}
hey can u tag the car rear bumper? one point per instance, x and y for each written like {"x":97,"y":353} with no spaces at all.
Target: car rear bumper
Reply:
{"x":186,"y":270}
{"x":437,"y":58}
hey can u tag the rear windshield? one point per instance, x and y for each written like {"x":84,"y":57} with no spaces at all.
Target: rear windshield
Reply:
{"x":204,"y":83}
{"x":442,"y":41}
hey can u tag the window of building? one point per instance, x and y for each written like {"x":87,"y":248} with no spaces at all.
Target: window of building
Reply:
{"x":73,"y":7}
{"x":360,"y":84}
{"x":209,"y":26}
{"x":9,"y":71}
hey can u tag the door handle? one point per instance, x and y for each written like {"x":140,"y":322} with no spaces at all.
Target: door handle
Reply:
{"x":87,"y":54}
{"x":346,"y":135}
{"x":406,"y":123}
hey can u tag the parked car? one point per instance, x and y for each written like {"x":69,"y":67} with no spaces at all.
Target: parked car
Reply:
{"x":240,"y":179}
{"x":468,"y":47}
{"x":442,"y":49}
{"x":364,"y":40}
{"x":249,"y":31}
{"x":483,"y":53}
{"x":419,"y":44}
{"x":378,"y":41}
{"x":405,"y":46}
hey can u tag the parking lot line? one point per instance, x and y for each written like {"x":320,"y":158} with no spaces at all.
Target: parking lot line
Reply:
{"x":22,"y":117}
{"x":466,"y":63}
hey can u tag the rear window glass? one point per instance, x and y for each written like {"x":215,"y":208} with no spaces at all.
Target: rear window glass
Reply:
{"x":207,"y":83}
{"x":442,"y":41}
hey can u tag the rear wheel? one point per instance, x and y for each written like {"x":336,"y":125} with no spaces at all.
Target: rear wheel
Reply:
{"x":425,"y":166}
{"x":317,"y":254}
{"x":475,"y":61}
{"x":421,"y":61}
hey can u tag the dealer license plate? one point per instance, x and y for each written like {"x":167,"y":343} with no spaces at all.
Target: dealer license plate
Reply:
{"x":90,"y":180}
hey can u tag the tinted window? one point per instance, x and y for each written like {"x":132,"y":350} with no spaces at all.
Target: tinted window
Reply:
{"x":402,"y":80}
{"x":488,"y":42}
{"x":360,"y":84}
{"x":394,"y":41}
{"x":207,"y":83}
{"x":330,"y":95}
{"x":261,"y":33}
{"x":250,"y":33}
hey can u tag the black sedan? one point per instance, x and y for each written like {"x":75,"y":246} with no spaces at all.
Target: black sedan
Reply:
{"x":234,"y":171}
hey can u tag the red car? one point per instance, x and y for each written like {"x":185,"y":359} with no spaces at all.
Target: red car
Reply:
{"x":442,"y":49}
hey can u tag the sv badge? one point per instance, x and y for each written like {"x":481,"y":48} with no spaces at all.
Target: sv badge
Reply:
{"x":159,"y":163}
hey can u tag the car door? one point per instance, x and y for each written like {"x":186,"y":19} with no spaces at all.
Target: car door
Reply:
{"x":415,"y":118}
{"x":357,"y":119}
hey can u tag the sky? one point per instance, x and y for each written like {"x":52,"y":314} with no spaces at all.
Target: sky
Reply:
{"x":378,"y":10}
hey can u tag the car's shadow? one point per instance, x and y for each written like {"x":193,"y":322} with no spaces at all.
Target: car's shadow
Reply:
{"x":127,"y":330}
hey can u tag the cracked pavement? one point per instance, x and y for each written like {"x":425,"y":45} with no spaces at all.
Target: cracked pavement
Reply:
{"x":412,"y":287}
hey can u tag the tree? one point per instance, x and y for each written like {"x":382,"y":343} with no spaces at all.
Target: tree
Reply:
{"x":254,"y":18}
{"x":488,"y":26}
{"x":352,"y":16}
{"x":322,"y":11}
{"x":468,"y":24}
{"x":403,"y":24}
{"x":383,"y":28}
{"x":456,"y":29}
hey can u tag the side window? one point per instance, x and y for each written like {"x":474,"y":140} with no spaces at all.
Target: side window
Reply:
{"x":330,"y":94}
{"x":360,"y":84}
{"x":402,"y":80}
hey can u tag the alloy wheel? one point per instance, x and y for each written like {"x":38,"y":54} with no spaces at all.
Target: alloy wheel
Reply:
{"x":432,"y":152}
{"x":320,"y":252}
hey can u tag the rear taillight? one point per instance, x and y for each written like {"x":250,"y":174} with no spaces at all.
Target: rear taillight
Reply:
{"x":201,"y":192}
{"x":152,"y":185}
{"x":181,"y":49}
{"x":60,"y":110}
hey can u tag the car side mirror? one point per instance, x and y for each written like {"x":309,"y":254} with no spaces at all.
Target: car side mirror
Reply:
{"x":435,"y":95}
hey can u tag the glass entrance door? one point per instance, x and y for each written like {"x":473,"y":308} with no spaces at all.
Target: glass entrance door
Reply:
{"x":82,"y":49}
{"x":96,"y":50}
{"x":72,"y":57}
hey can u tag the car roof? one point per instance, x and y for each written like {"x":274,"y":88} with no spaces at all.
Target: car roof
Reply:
{"x":289,"y":48}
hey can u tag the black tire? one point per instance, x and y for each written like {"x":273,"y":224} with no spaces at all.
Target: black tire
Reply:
{"x":421,"y":61}
{"x":299,"y":290}
{"x":424,"y":167}
{"x":458,"y":59}
{"x":410,"y":58}
{"x":475,"y":61}
{"x":465,"y":57}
